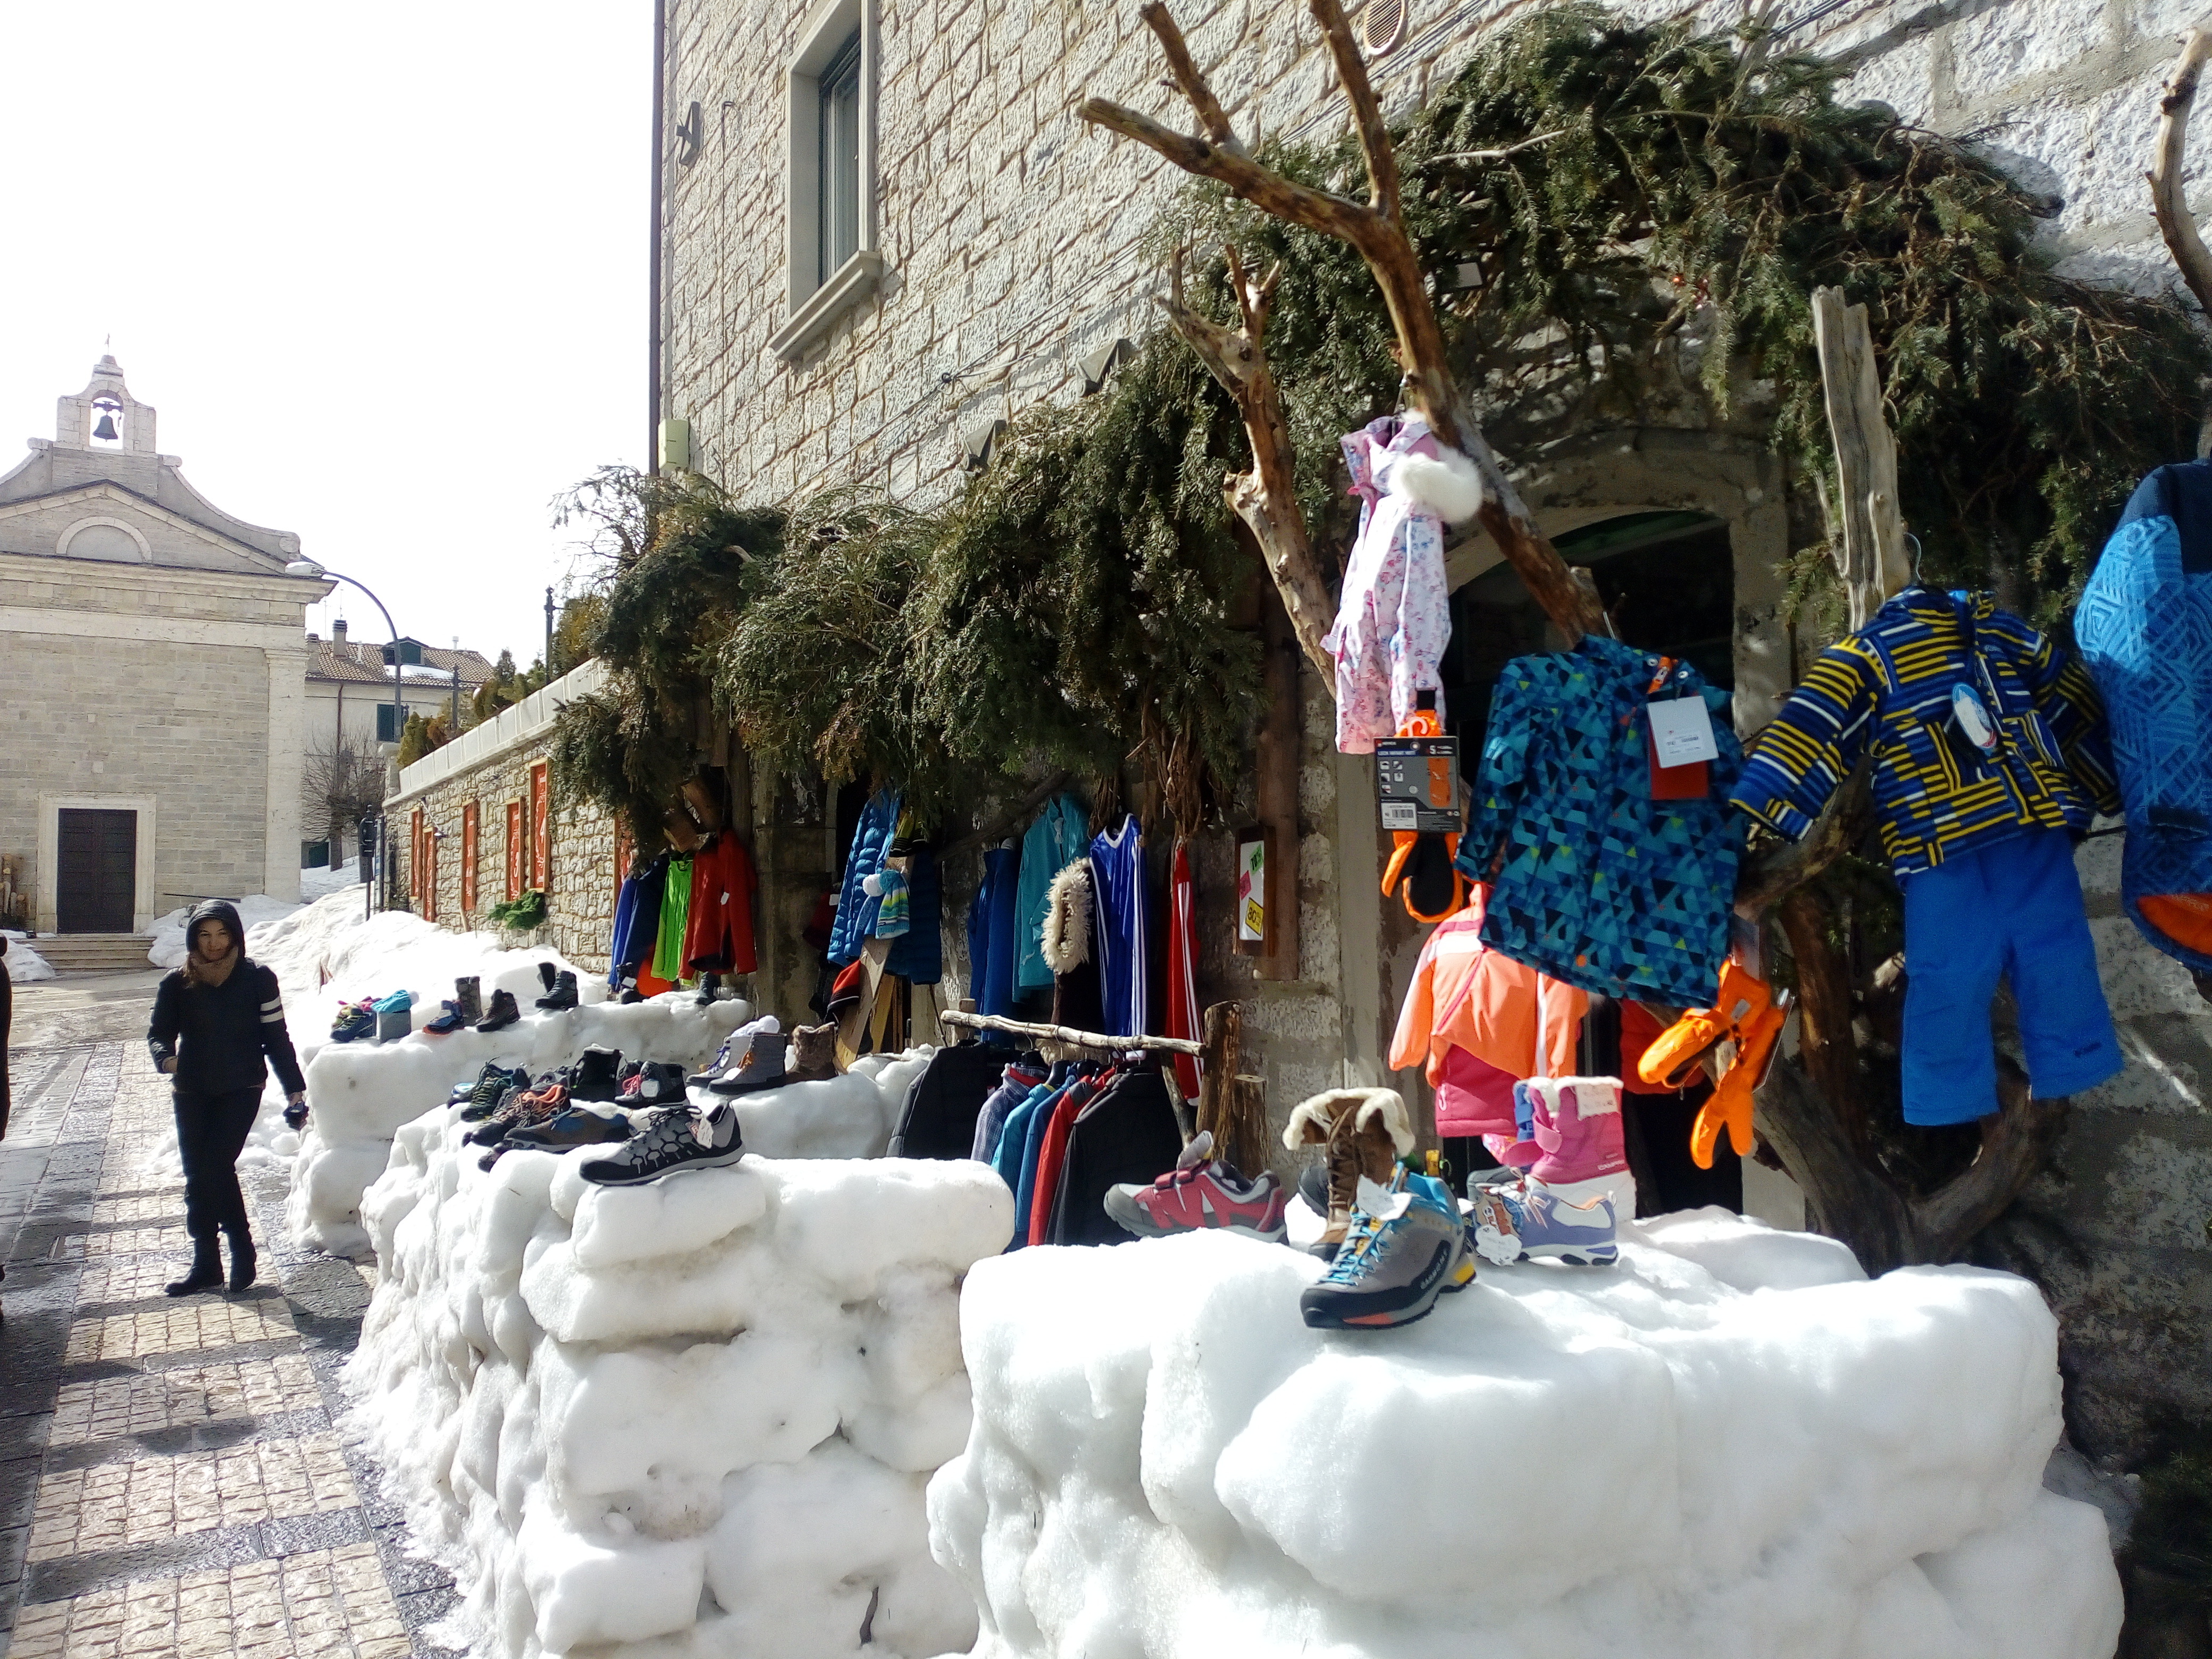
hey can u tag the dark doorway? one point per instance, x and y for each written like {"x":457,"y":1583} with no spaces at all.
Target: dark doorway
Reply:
{"x":95,"y":871}
{"x":1667,"y":580}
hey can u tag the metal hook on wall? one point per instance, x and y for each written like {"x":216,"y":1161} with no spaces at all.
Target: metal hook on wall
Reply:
{"x":1915,"y":540}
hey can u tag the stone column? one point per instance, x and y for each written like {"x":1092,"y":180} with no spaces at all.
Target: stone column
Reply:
{"x":288,"y":716}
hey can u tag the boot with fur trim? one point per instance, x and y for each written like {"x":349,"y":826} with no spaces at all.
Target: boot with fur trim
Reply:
{"x":1362,"y":1132}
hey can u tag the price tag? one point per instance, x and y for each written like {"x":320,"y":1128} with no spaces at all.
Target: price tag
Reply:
{"x":1682,"y":731}
{"x":1418,"y":779}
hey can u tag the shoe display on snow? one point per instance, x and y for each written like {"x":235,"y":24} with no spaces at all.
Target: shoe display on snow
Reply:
{"x":503,"y":1012}
{"x":1536,"y":1224}
{"x":720,"y":1063}
{"x":395,"y":1015}
{"x":813,"y":1056}
{"x":576,"y":1125}
{"x":354,"y":1021}
{"x":596,"y":1075}
{"x":447,"y":1023}
{"x":529,"y":1107}
{"x":547,"y":975}
{"x":1200,"y":1194}
{"x":466,"y":1091}
{"x":656,"y":1083}
{"x":1362,"y":1133}
{"x":561,"y":993}
{"x":1402,"y":1250}
{"x":759,"y":1066}
{"x":494,"y":1091}
{"x":468,"y":998}
{"x":674,"y":1138}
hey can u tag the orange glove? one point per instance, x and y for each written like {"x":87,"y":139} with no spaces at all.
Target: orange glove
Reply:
{"x":1422,"y":863}
{"x":1675,"y":1050}
{"x":1730,"y":1104}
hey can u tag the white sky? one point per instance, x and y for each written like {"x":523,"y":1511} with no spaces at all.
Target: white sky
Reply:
{"x":381,"y":271}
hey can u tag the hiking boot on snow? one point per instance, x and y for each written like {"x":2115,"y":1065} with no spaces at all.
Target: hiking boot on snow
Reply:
{"x":1200,"y":1194}
{"x":656,"y":1083}
{"x":1402,"y":1250}
{"x":447,"y":1023}
{"x":595,"y":1076}
{"x":503,"y":1012}
{"x":468,"y":998}
{"x":577,"y":1126}
{"x":675,"y":1138}
{"x":561,"y":993}
{"x":1362,"y":1133}
{"x":759,"y":1066}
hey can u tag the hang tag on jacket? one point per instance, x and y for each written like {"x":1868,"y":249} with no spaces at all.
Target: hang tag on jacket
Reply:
{"x":1971,"y":716}
{"x":1688,"y":781}
{"x":1682,"y":731}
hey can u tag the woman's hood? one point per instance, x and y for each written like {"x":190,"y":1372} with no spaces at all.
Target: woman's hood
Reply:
{"x":222,"y":910}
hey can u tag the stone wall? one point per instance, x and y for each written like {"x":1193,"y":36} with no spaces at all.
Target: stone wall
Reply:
{"x":490,"y":767}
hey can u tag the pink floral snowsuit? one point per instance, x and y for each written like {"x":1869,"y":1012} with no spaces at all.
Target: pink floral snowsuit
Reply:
{"x":1394,"y":618}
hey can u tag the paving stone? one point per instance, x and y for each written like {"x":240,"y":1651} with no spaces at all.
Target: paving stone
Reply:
{"x":170,"y":1480}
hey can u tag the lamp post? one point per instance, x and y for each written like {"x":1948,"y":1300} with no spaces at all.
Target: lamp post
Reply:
{"x":308,"y":567}
{"x":548,"y":636}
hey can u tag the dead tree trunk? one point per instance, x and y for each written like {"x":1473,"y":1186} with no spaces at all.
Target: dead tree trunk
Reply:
{"x":1375,"y":230}
{"x":2168,"y":204}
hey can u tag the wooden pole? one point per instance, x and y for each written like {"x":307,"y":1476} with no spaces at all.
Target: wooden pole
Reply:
{"x":1217,"y":1081}
{"x":2168,"y":204}
{"x":1873,"y":562}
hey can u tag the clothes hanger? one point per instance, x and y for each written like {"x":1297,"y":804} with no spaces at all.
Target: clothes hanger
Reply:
{"x":1915,"y":540}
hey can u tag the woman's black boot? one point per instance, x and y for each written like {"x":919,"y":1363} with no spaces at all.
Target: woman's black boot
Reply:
{"x":207,"y":1270}
{"x":241,"y":1261}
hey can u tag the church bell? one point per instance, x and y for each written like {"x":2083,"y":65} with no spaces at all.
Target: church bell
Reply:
{"x":106,"y":428}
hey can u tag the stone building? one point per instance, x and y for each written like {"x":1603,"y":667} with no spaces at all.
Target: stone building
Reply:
{"x":480,"y":822}
{"x":155,"y":659}
{"x":883,"y":229}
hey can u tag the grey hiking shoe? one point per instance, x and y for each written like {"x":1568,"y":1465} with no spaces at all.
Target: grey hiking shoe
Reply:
{"x":674,"y":1138}
{"x":1401,"y":1251}
{"x":761,"y":1066}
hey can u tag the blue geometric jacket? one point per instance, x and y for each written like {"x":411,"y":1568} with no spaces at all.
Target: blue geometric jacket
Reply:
{"x":1596,"y":883}
{"x":2145,"y":627}
{"x":1887,"y":691}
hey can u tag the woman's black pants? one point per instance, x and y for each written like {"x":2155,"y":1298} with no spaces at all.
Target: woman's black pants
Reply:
{"x":211,"y":1131}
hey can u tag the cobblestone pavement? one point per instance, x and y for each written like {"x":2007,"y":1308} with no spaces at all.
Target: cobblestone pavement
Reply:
{"x":172,"y":1481}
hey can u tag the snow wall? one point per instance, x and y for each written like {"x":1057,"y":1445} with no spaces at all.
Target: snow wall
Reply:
{"x":1729,"y":1446}
{"x":692,"y":1419}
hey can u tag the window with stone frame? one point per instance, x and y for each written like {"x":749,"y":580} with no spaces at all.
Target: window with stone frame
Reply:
{"x":831,"y":258}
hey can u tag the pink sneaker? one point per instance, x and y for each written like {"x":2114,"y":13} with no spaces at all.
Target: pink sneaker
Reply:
{"x":1200,"y":1193}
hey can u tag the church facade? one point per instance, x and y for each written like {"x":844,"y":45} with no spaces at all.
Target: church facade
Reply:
{"x":155,"y":653}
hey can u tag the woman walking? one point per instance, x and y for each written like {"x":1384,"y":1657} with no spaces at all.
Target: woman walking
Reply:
{"x":214,"y":1020}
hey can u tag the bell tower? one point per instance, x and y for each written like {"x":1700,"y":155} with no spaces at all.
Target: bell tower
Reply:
{"x":105,"y":415}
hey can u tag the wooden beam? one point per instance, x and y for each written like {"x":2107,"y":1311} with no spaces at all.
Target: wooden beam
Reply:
{"x":1872,"y":561}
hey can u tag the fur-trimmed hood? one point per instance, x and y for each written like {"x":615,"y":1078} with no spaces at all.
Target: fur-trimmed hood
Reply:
{"x":1312,"y":1122}
{"x":1066,"y":942}
{"x":1447,"y":483}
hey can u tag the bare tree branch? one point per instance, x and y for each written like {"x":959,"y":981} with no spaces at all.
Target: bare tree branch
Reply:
{"x":2168,"y":202}
{"x":1210,"y":121}
{"x":1374,"y":146}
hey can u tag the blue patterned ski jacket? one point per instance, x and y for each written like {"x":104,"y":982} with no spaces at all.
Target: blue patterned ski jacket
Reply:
{"x":2145,"y":630}
{"x":1886,"y":691}
{"x":1595,"y":882}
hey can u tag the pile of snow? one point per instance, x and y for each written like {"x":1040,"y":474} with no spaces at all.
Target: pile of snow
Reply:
{"x":22,"y":961}
{"x":1730,"y":1444}
{"x":256,"y":910}
{"x":697,"y":1416}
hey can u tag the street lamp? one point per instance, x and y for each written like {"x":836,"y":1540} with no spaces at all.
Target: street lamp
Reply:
{"x":309,"y":568}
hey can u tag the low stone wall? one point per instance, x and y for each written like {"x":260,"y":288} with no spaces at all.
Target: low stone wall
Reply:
{"x":490,"y":767}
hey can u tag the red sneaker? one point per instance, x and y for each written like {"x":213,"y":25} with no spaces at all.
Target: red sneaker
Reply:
{"x":1200,"y":1193}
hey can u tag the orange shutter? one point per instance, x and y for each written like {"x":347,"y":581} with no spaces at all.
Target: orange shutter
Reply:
{"x":469,"y":859}
{"x":541,"y":807}
{"x":513,"y":850}
{"x":415,"y":858}
{"x":430,"y":877}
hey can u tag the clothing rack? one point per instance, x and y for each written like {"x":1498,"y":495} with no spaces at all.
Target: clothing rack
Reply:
{"x":1072,"y":1038}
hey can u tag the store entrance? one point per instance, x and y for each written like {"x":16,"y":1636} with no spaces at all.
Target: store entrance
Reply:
{"x":1667,"y":580}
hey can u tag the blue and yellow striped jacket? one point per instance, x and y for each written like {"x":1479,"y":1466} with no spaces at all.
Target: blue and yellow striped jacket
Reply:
{"x":1886,"y":691}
